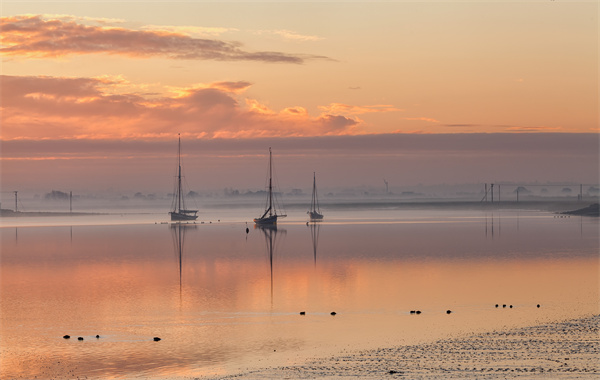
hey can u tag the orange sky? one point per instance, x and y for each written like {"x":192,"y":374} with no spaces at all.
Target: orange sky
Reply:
{"x":81,"y":71}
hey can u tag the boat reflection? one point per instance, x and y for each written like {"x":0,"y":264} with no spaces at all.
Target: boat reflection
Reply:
{"x":315,"y":228}
{"x":270,"y":232}
{"x":178,"y":231}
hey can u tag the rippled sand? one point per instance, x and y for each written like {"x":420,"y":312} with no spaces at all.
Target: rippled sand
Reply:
{"x":566,"y":350}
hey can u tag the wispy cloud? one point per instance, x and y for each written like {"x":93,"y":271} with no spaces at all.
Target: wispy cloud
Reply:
{"x":290,"y":35}
{"x":58,"y":107}
{"x":37,"y":37}
{"x":348,"y":109}
{"x":532,"y":129}
{"x":190,"y":30}
{"x":427,"y":119}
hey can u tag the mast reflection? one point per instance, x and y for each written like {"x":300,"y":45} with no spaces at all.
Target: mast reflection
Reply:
{"x":314,"y":233}
{"x":178,"y":231}
{"x":270,"y":233}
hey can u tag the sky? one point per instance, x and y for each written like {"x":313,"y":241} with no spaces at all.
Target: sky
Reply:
{"x":93,"y":95}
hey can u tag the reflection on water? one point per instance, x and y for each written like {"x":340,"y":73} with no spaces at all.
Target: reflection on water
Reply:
{"x":315,"y":228}
{"x":270,"y":233}
{"x":178,"y":231}
{"x":219,"y":306}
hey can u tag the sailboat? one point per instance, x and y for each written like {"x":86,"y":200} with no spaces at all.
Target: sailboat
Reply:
{"x":180,"y":213}
{"x":270,"y":215}
{"x":314,"y":211}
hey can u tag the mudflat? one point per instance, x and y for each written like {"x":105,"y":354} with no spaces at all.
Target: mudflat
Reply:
{"x":565,"y":350}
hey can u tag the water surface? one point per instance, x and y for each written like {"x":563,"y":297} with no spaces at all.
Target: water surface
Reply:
{"x":222,"y":300}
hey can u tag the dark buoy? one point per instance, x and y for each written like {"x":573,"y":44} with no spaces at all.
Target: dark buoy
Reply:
{"x":156,"y":339}
{"x":333,"y":313}
{"x":80,"y":338}
{"x":69,"y":336}
{"x":448,"y":311}
{"x":303,"y":313}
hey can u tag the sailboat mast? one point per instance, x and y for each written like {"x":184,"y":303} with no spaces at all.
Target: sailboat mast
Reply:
{"x":270,"y":184}
{"x":179,"y":174}
{"x":314,"y":200}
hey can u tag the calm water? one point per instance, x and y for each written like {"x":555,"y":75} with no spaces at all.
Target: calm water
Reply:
{"x":223,"y":300}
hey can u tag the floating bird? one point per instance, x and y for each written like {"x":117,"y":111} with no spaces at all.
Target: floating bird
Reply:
{"x":412,"y":312}
{"x":496,"y":305}
{"x":511,"y":306}
{"x":448,"y":311}
{"x":97,"y":336}
{"x":80,"y":338}
{"x":303,"y":313}
{"x":69,"y":336}
{"x":156,"y":339}
{"x":333,"y":313}
{"x":538,"y":305}
{"x":418,"y":311}
{"x":503,"y":305}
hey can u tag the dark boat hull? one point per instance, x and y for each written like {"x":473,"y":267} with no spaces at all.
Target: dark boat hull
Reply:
{"x":266,"y":220}
{"x":177,"y":216}
{"x":315,"y":215}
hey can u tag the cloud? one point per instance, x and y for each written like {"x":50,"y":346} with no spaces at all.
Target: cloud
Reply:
{"x":290,"y":35}
{"x":347,"y":109}
{"x":44,"y":107}
{"x":36,"y":37}
{"x":532,"y":129}
{"x":427,"y":119}
{"x":190,"y":30}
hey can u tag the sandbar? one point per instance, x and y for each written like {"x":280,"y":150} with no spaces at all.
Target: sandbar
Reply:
{"x":565,"y":350}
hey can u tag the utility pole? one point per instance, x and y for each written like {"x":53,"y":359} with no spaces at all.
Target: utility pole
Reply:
{"x":386,"y":186}
{"x":70,"y":201}
{"x":16,"y":202}
{"x":492,"y":187}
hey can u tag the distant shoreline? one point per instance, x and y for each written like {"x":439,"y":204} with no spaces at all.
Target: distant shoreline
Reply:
{"x":579,"y":208}
{"x":12,"y":214}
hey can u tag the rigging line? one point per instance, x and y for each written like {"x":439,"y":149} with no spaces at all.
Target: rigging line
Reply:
{"x":277,"y":197}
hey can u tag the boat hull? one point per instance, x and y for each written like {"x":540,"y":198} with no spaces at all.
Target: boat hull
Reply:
{"x":266,"y":220}
{"x":177,"y":216}
{"x":315,"y":215}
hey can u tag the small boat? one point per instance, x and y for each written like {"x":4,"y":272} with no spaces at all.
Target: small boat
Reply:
{"x":270,"y":215}
{"x":180,"y":213}
{"x":314,"y":211}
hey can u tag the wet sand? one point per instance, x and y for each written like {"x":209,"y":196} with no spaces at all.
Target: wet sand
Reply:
{"x":565,"y":350}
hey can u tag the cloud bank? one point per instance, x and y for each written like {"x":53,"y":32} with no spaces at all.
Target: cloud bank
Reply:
{"x":37,"y":37}
{"x":41,"y":107}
